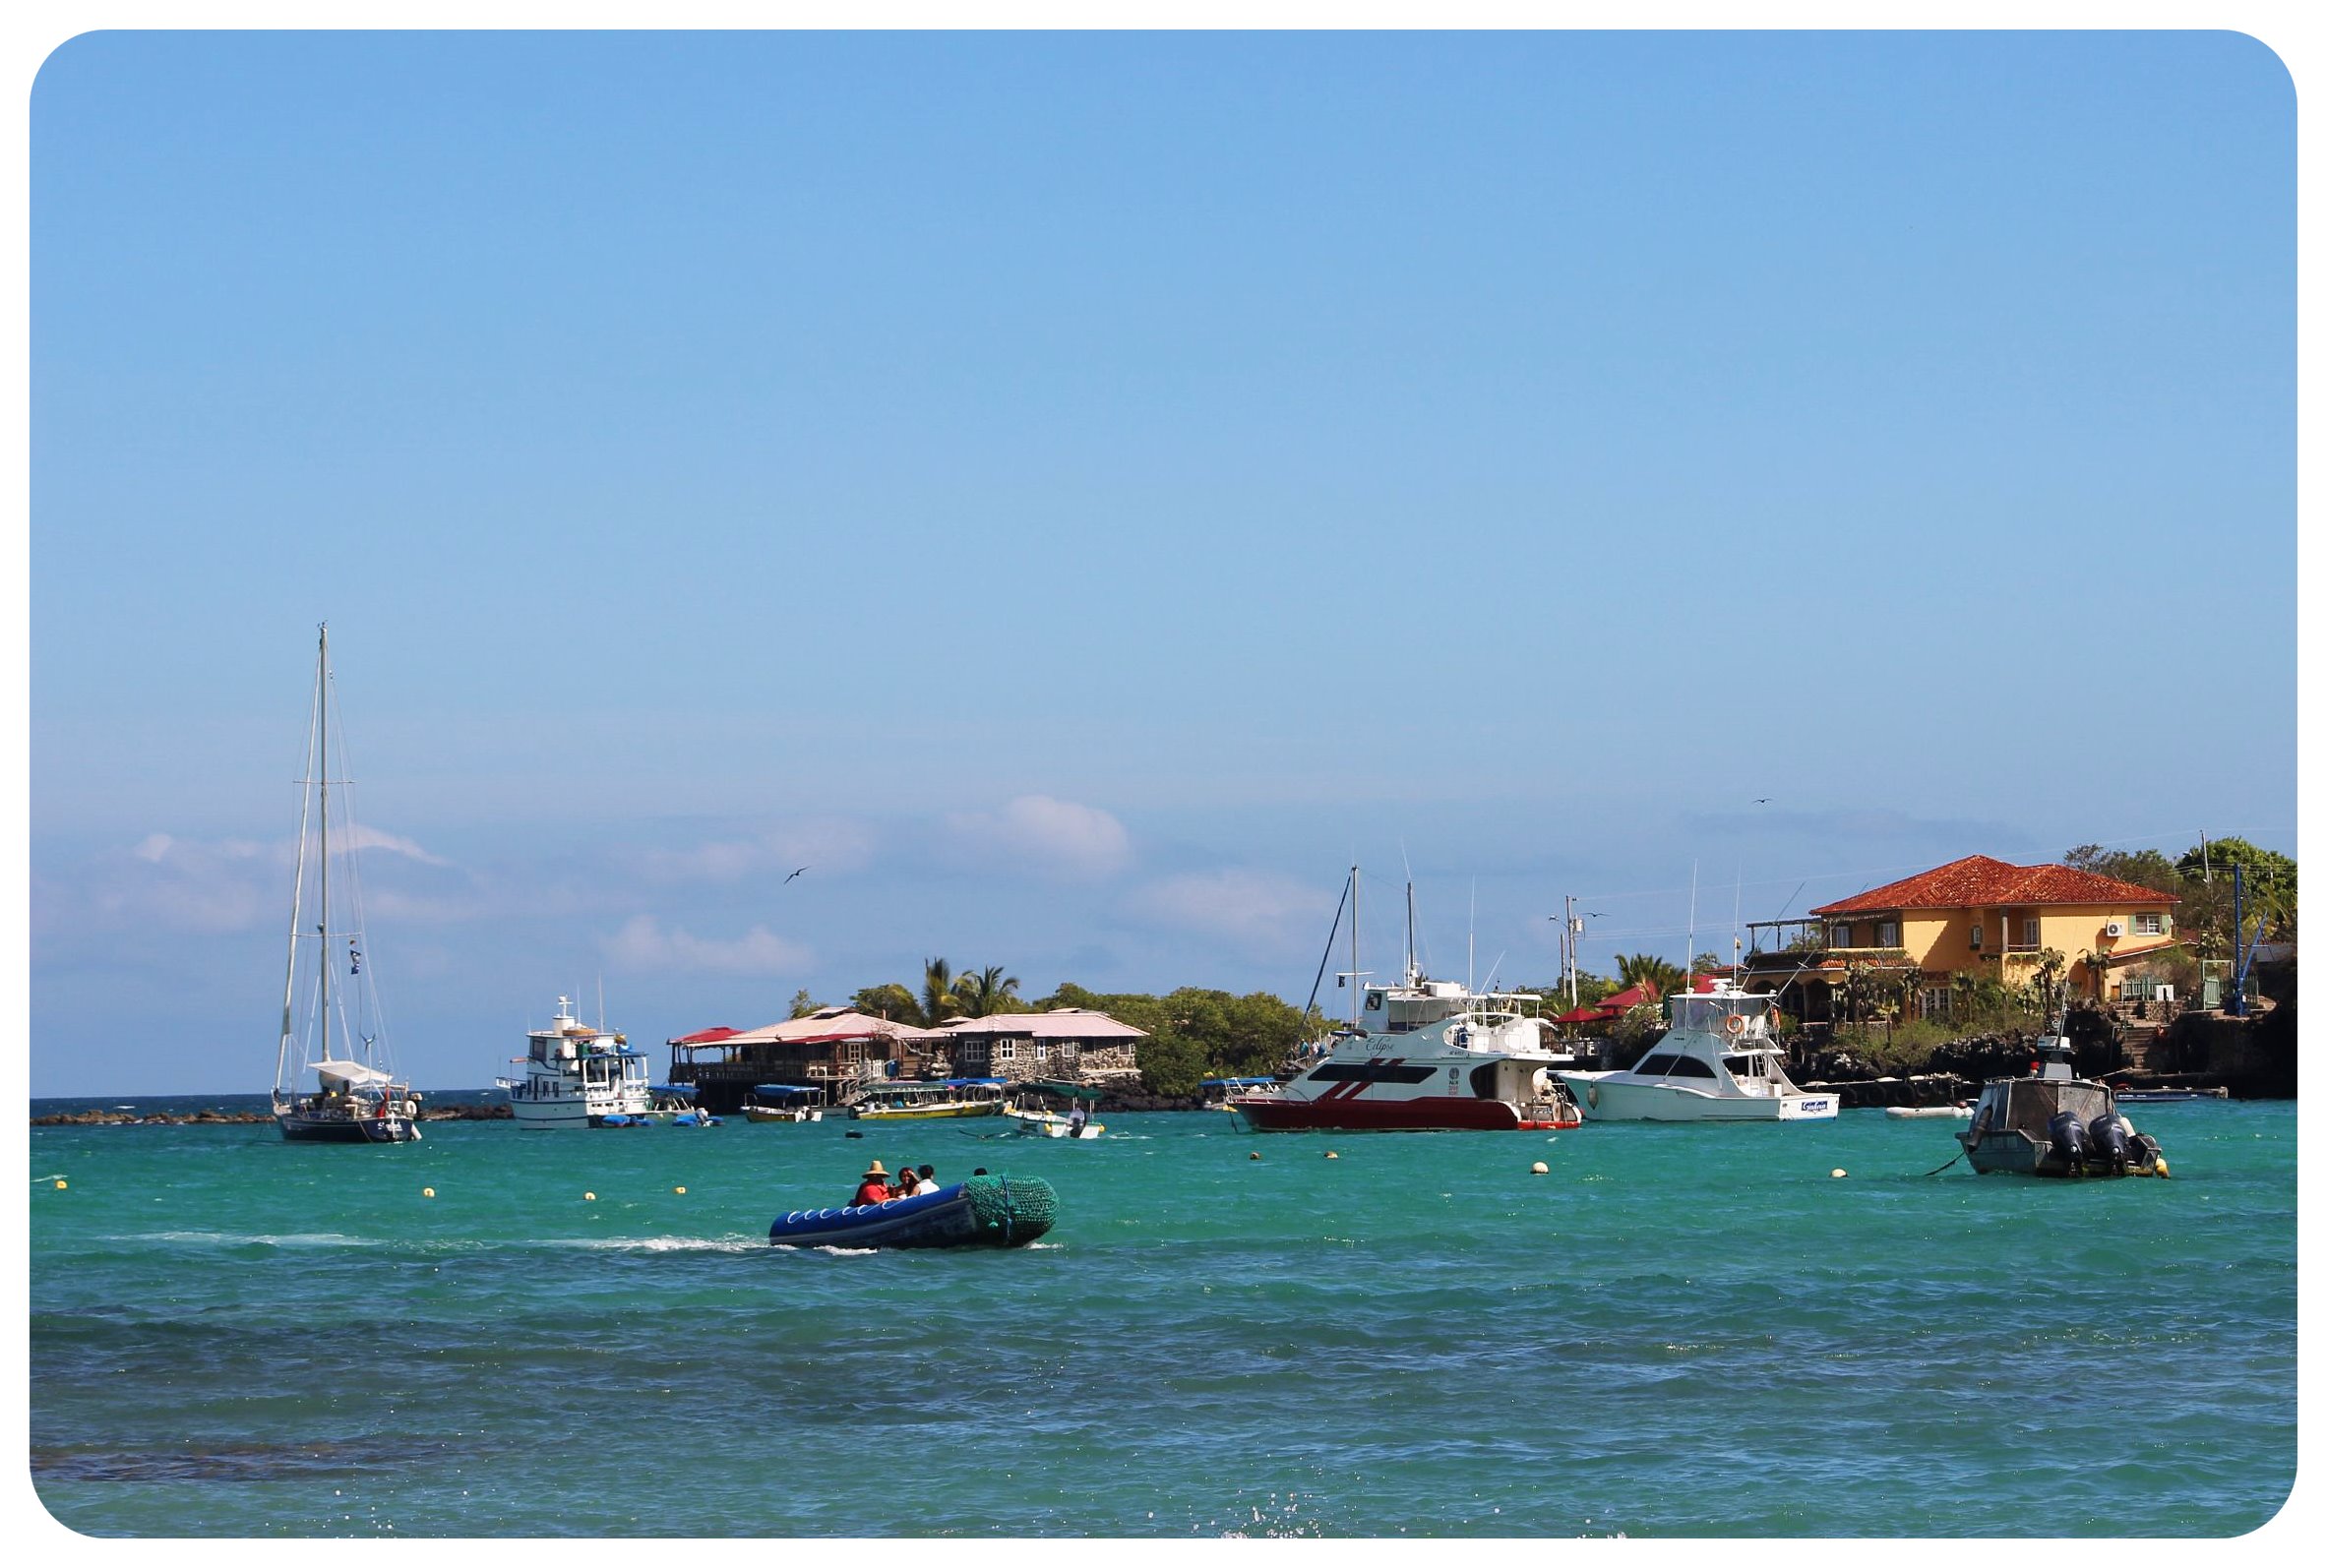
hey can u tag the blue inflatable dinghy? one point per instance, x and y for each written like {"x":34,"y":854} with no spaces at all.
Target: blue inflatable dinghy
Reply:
{"x":984,"y":1211}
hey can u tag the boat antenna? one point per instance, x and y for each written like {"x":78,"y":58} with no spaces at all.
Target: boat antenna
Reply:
{"x":601,"y":1002}
{"x":1686,"y":983}
{"x":1737,"y":946}
{"x":1407,"y":861}
{"x":1471,"y":981}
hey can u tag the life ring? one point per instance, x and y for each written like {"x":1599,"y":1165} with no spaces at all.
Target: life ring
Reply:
{"x":1737,"y":1023}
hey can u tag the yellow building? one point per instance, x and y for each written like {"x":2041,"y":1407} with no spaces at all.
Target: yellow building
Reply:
{"x":1988,"y":918}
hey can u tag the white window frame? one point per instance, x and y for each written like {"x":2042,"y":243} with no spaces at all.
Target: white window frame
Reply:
{"x":1006,"y":1051}
{"x":2149,"y":923}
{"x":1886,"y":933}
{"x":1839,"y":935}
{"x":1979,"y":931}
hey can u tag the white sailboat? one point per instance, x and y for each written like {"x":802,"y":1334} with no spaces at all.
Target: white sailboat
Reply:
{"x":334,"y":1079}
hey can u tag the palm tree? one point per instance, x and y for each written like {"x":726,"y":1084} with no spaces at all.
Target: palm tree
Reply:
{"x":1662,"y":973}
{"x":985,"y":991}
{"x":937,"y":999}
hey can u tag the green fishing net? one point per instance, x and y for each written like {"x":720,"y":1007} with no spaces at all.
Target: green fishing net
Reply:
{"x":1012,"y":1209}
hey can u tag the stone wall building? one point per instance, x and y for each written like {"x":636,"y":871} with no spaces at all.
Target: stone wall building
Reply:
{"x":1068,"y":1042}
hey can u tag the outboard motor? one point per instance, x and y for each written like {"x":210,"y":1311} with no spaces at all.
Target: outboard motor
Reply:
{"x":2111,"y":1136}
{"x":2069,"y":1139}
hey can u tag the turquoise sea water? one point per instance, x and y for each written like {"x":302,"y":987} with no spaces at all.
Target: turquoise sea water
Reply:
{"x":1676,"y":1330}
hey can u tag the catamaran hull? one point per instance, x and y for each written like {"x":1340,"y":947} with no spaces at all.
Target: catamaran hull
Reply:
{"x":1604,"y":1101}
{"x":342,"y":1129}
{"x":1425,"y":1114}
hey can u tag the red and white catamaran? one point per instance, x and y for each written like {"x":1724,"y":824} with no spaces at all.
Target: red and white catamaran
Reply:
{"x":1424,"y":1055}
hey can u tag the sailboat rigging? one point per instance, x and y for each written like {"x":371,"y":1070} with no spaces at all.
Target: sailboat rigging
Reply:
{"x":355,"y":1096}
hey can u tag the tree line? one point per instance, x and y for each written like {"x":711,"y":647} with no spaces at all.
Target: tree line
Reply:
{"x":2202,"y":879}
{"x":1193,"y":1033}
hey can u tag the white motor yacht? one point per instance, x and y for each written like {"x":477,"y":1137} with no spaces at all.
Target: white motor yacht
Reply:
{"x":577,"y":1077}
{"x":1720,"y":1062}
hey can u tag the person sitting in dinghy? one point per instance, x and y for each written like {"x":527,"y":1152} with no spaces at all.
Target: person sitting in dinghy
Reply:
{"x":874,"y":1189}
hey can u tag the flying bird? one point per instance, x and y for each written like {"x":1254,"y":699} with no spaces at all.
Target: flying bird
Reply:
{"x":802,"y":869}
{"x":1764,"y":801}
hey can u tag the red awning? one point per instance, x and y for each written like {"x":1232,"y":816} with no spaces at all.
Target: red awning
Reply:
{"x":1610,"y":1009}
{"x":702,"y":1036}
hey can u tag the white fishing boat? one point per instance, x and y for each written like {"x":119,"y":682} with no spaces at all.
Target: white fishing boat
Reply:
{"x":334,"y":1079}
{"x":1720,"y":1062}
{"x":1054,"y":1124}
{"x":579,"y":1076}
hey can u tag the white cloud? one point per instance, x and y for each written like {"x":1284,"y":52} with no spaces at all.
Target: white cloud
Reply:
{"x":826,"y":844}
{"x":724,"y":862}
{"x":1264,"y":910}
{"x":643,"y":943}
{"x":210,"y":886}
{"x":372,"y":838}
{"x":1056,"y":837}
{"x":181,"y":885}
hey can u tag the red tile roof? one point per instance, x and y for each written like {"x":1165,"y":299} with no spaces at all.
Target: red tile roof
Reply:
{"x":1610,"y":1009}
{"x":1978,"y":881}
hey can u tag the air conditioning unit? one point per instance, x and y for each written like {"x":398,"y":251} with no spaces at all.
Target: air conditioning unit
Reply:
{"x":2114,"y":929}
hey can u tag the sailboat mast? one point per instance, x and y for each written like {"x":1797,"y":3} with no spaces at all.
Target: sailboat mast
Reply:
{"x":323,"y":852}
{"x":1353,"y":950}
{"x":290,"y":966}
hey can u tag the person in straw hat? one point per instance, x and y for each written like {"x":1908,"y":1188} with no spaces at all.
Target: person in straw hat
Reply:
{"x":874,"y":1189}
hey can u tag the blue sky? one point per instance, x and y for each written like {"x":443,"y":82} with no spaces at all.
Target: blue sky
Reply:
{"x":1079,"y":492}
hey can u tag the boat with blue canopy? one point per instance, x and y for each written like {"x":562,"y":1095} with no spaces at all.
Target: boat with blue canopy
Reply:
{"x":912,"y":1100}
{"x":784,"y":1102}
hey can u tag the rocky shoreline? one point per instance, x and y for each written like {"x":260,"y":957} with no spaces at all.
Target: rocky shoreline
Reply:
{"x":164,"y":1118}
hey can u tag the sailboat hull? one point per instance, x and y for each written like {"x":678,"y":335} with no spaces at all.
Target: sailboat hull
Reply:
{"x":297,"y":1128}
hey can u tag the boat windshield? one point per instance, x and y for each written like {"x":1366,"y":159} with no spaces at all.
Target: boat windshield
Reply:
{"x":1668,"y":1065}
